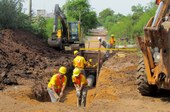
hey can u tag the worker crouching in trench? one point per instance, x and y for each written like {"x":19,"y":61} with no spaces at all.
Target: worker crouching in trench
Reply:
{"x":57,"y":84}
{"x":81,"y":86}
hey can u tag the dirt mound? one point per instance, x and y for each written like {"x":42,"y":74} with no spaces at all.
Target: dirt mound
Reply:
{"x":25,"y":56}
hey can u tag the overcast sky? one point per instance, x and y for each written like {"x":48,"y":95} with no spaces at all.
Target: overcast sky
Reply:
{"x":119,"y":6}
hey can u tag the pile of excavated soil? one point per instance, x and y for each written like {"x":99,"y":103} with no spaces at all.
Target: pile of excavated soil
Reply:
{"x":116,"y":82}
{"x":114,"y":73}
{"x":24,"y":56}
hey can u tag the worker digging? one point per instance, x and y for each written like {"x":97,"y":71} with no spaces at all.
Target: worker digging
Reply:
{"x":57,"y":84}
{"x":80,"y":84}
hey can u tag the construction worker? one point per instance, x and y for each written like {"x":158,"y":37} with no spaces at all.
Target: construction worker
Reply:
{"x":57,"y":84}
{"x":112,"y":41}
{"x":79,"y":62}
{"x":106,"y":45}
{"x":89,"y":63}
{"x":80,"y":84}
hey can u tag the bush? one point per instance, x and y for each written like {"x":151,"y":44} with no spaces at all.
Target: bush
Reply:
{"x":39,"y":26}
{"x":11,"y":17}
{"x":10,"y":14}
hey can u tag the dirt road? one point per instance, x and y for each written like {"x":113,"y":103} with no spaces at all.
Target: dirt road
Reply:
{"x":116,"y":90}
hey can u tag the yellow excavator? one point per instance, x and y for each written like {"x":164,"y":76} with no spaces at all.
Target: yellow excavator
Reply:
{"x":154,"y":67}
{"x":68,"y":36}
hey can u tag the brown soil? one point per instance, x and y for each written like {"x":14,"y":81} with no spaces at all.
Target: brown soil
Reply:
{"x":26,"y":66}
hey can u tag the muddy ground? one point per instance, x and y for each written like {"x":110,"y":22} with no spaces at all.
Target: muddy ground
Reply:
{"x":26,"y":66}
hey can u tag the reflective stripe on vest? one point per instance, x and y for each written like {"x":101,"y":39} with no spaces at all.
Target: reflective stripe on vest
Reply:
{"x":78,"y":62}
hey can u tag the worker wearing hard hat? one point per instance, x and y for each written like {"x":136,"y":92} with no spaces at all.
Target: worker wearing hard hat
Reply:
{"x":112,"y":41}
{"x":79,"y":62}
{"x":104,"y":44}
{"x":57,"y":84}
{"x":80,"y":84}
{"x":90,"y":64}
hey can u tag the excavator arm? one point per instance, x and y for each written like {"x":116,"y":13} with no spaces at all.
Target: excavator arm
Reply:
{"x":58,"y":14}
{"x":59,"y":35}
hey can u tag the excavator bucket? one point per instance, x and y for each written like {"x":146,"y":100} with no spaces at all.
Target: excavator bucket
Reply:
{"x":153,"y":68}
{"x":55,"y":42}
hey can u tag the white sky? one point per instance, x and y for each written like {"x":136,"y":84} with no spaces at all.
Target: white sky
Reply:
{"x":119,"y":6}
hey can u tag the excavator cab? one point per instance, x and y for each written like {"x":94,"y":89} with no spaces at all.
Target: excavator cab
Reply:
{"x":73,"y":31}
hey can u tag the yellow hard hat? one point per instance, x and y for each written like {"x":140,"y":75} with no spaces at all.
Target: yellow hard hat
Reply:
{"x":75,"y":52}
{"x":90,"y":60}
{"x":76,"y":72}
{"x":63,"y":70}
{"x":112,"y":35}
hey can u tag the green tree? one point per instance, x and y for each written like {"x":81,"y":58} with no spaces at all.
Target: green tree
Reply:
{"x":8,"y":13}
{"x":80,"y":10}
{"x":89,"y":20}
{"x":144,"y":18}
{"x":128,"y":26}
{"x":137,"y":12}
{"x":105,"y":13}
{"x":11,"y":17}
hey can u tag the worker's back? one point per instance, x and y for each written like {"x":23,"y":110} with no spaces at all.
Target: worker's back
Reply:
{"x":79,"y":61}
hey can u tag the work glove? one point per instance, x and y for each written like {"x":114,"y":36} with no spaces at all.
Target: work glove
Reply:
{"x":61,"y":94}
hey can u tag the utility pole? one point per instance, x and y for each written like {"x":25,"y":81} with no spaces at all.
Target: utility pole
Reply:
{"x":30,"y":7}
{"x":79,"y":16}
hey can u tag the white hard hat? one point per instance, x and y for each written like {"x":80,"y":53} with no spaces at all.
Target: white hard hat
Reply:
{"x":99,"y":38}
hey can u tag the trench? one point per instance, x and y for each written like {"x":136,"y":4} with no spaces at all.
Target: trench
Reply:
{"x":39,"y":91}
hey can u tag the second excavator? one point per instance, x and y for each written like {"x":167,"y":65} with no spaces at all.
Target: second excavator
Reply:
{"x":153,"y":69}
{"x":68,"y":36}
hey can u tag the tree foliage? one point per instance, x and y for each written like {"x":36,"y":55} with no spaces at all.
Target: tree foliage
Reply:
{"x":127,"y":26}
{"x":80,"y":10}
{"x":9,"y":11}
{"x":106,"y":13}
{"x":11,"y":17}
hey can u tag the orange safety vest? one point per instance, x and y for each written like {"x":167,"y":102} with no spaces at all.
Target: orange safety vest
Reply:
{"x":112,"y":41}
{"x":59,"y":83}
{"x":78,"y":80}
{"x":158,"y":1}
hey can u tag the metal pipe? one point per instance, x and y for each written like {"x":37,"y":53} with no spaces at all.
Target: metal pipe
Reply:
{"x":157,"y":14}
{"x":90,"y":80}
{"x":30,"y":7}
